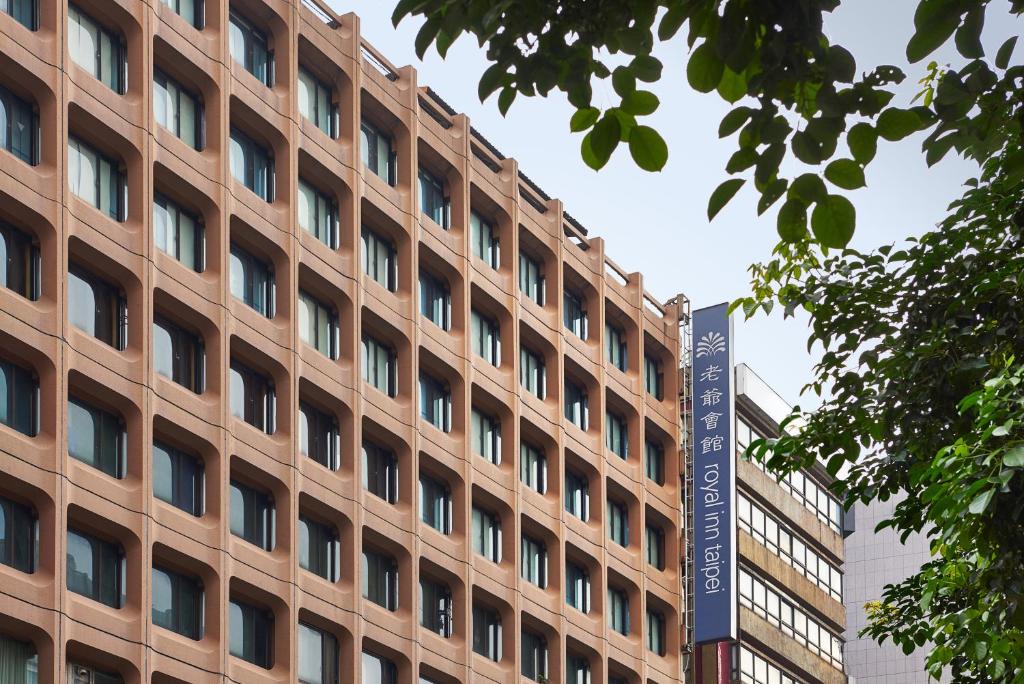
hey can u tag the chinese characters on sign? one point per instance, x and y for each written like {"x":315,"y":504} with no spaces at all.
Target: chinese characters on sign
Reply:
{"x":714,"y":478}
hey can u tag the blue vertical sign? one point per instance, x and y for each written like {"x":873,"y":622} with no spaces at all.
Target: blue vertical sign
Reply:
{"x":714,"y":478}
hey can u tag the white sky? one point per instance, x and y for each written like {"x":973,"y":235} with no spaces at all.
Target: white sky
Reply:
{"x":657,"y":223}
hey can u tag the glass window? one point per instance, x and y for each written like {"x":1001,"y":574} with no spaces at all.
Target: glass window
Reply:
{"x":380,"y":366}
{"x":97,"y":50}
{"x":252,"y":165}
{"x":318,"y":325}
{"x":19,"y":536}
{"x":19,"y":398}
{"x":177,"y":110}
{"x":618,"y":610}
{"x":380,"y":579}
{"x":252,"y":397}
{"x":435,"y":402}
{"x":19,"y":261}
{"x":576,"y":409}
{"x":178,"y":355}
{"x":616,"y":434}
{"x":435,"y":504}
{"x":652,"y":377}
{"x":319,"y":548}
{"x":253,"y":517}
{"x":533,"y":467}
{"x":435,"y":301}
{"x":319,"y":657}
{"x":96,"y":437}
{"x":96,"y":569}
{"x":377,"y":152}
{"x":534,"y":657}
{"x":316,"y":103}
{"x":486,"y":535}
{"x":534,"y":562}
{"x":380,"y":472}
{"x":189,"y":10}
{"x":577,"y":671}
{"x":654,"y":462}
{"x":97,"y":308}
{"x":319,"y":438}
{"x":433,"y":202}
{"x":655,"y":547}
{"x":178,"y":603}
{"x":97,"y":179}
{"x":252,"y":281}
{"x":618,"y":522}
{"x":19,"y":126}
{"x":380,"y":260}
{"x":574,"y":315}
{"x":318,"y":214}
{"x":577,"y":495}
{"x":178,"y":233}
{"x":615,"y":346}
{"x":487,"y":632}
{"x":655,"y":632}
{"x":486,"y":435}
{"x":484,"y":240}
{"x":485,"y":336}
{"x":531,"y":373}
{"x":251,"y":633}
{"x":577,"y":587}
{"x":178,"y":478}
{"x":436,"y":607}
{"x":531,"y":279}
{"x":249,"y":49}
{"x":378,"y":670}
{"x":19,"y":661}
{"x":80,"y":674}
{"x":25,"y":12}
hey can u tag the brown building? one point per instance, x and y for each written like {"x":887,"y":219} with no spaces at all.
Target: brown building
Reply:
{"x":300,"y":378}
{"x":790,"y":555}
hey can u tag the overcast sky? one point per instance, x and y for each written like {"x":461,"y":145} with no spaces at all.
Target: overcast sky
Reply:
{"x":657,"y":223}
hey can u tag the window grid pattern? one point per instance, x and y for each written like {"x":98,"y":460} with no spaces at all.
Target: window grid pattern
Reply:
{"x":216,"y":219}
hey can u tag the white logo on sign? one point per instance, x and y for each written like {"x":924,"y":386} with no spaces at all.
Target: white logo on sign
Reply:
{"x":710,"y":344}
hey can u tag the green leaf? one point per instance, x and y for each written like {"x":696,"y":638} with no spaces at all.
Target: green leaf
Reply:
{"x":648,"y":148}
{"x":722,"y":194}
{"x":792,"y":220}
{"x":742,"y":159}
{"x":491,"y":80}
{"x":672,"y":21}
{"x":934,"y":21}
{"x":1005,"y":52}
{"x":646,"y":68}
{"x":640,"y":102}
{"x":809,"y":187}
{"x":833,"y":221}
{"x":584,"y":119}
{"x":426,"y":35}
{"x":845,"y":173}
{"x":896,"y":124}
{"x":863,"y":142}
{"x":623,"y":81}
{"x":733,"y":86}
{"x":806,"y":148}
{"x":732,"y":121}
{"x":1014,"y":457}
{"x":603,"y":140}
{"x":704,"y":70}
{"x":508,"y":94}
{"x":968,"y":36}
{"x":840,"y":64}
{"x":771,"y":194}
{"x":981,"y":502}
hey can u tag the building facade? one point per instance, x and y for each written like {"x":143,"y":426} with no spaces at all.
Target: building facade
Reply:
{"x":790,"y":556}
{"x":873,"y":560}
{"x":302,"y":380}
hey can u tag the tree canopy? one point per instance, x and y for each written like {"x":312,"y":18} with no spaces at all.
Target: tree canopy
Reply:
{"x":922,"y":343}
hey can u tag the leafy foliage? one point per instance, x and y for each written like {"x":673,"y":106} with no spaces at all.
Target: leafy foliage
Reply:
{"x":922,"y":364}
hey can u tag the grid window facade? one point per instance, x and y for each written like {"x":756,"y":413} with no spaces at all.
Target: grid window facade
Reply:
{"x":486,"y":436}
{"x":436,"y":607}
{"x":435,"y":504}
{"x":19,"y":398}
{"x":19,"y":536}
{"x":19,"y":127}
{"x":151,"y":228}
{"x":533,"y":467}
{"x":485,"y":337}
{"x":435,"y":301}
{"x":433,"y":202}
{"x":486,"y":535}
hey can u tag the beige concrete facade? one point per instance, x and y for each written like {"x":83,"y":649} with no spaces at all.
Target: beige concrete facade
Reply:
{"x":36,"y":471}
